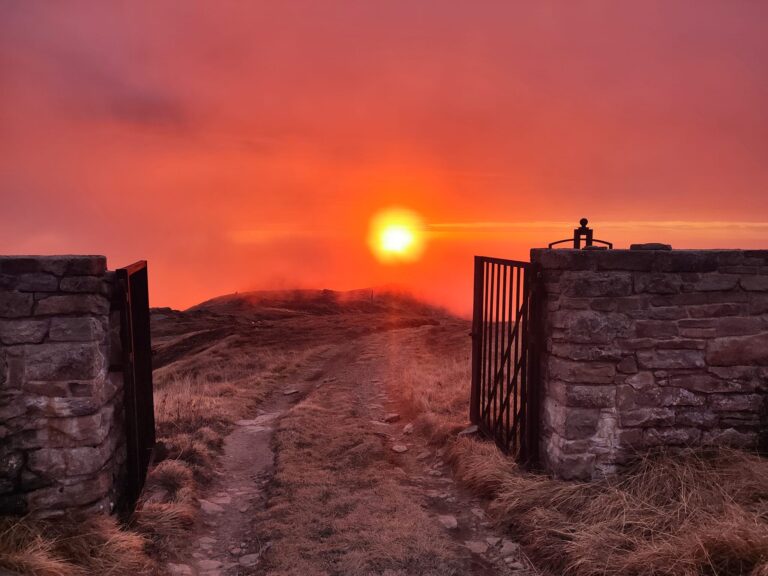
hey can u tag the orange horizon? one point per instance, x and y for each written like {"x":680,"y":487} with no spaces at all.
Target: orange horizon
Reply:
{"x":248,"y":147}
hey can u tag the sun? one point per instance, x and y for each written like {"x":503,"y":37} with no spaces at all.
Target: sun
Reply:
{"x":396,"y":235}
{"x":397,"y":239}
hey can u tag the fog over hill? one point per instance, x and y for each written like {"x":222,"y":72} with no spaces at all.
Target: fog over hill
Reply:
{"x":288,"y":319}
{"x":280,"y":303}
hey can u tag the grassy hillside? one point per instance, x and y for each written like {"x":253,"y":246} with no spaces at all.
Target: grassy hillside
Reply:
{"x":213,"y":365}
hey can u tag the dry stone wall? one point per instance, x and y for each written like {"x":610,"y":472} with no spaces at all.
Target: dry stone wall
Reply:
{"x":61,"y":428}
{"x":649,"y":348}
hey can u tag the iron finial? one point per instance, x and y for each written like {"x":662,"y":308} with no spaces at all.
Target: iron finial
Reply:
{"x":583,"y":234}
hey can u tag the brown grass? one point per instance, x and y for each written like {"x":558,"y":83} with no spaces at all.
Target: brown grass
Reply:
{"x":75,"y":547}
{"x":338,"y":505}
{"x":197,"y":400}
{"x":198,"y":397}
{"x":700,"y":513}
{"x":671,"y":514}
{"x":429,"y":371}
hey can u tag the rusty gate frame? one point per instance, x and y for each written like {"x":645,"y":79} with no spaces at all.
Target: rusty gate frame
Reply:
{"x":135,"y":338}
{"x":506,"y":335}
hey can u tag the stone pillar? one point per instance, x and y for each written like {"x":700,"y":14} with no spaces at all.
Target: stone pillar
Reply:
{"x":650,"y":348}
{"x":60,"y":407}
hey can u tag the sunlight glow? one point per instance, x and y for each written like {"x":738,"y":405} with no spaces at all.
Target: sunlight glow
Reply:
{"x":396,"y":239}
{"x":396,"y":236}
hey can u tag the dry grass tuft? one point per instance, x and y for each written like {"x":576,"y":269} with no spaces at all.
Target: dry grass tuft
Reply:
{"x":163,"y":522}
{"x":170,"y":481}
{"x":185,"y":404}
{"x":199,"y":457}
{"x":24,"y":550}
{"x":671,"y":514}
{"x":93,"y":545}
{"x":208,"y":436}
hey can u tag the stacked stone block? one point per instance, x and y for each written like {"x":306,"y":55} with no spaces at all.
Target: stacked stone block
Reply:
{"x":651,"y":348}
{"x":61,"y":430}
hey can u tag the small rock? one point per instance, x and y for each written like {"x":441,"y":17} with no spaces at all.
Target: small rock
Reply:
{"x":209,"y":564}
{"x":513,"y":564}
{"x":391,"y":417}
{"x":235,"y":550}
{"x":478,"y":513}
{"x":252,"y":424}
{"x":210,"y":508}
{"x":423,"y":454}
{"x":492,"y":540}
{"x":222,"y":499}
{"x":469,"y":431}
{"x":290,"y":392}
{"x":206,"y":541}
{"x":243,"y":508}
{"x":508,"y":548}
{"x":179,"y":570}
{"x":476,"y":546}
{"x":408,"y":429}
{"x":449,"y":522}
{"x":249,"y":560}
{"x":266,"y":418}
{"x":400,"y":448}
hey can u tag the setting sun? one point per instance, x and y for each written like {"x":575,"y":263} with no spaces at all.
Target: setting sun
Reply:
{"x":396,"y":235}
{"x":396,"y":239}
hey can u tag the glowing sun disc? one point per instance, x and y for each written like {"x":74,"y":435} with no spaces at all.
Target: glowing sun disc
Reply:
{"x":396,"y":235}
{"x":396,"y":239}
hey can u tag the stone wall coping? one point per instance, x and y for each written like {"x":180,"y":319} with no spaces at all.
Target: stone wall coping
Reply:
{"x":57,"y":265}
{"x":689,"y":260}
{"x":595,"y":253}
{"x":51,"y":256}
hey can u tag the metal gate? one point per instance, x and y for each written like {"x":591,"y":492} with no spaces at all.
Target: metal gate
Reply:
{"x":504,"y":399}
{"x":133,"y":300}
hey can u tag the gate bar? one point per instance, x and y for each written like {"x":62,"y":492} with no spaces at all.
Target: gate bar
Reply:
{"x":477,"y":340}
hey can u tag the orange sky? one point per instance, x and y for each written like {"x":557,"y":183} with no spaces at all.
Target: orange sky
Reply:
{"x":242,"y":145}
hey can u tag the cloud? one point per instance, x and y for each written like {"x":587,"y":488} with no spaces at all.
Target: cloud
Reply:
{"x":268,"y":236}
{"x":713,"y":225}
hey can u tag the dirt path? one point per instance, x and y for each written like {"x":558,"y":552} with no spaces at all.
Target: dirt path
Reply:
{"x":319,"y":483}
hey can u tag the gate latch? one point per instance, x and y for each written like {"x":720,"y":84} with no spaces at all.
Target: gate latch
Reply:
{"x":585,"y":233}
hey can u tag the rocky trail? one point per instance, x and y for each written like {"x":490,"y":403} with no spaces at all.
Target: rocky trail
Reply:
{"x":328,"y":478}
